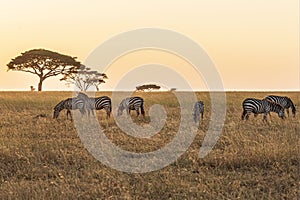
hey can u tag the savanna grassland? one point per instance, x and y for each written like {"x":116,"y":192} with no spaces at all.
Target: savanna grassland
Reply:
{"x":43,"y":158}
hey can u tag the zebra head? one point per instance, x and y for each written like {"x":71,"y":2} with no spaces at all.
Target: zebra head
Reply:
{"x":56,"y":112}
{"x":59,"y":107}
{"x":293,"y":109}
{"x":123,"y":105}
{"x":281,"y":112}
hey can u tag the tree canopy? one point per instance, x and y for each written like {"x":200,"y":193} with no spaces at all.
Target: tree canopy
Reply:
{"x":148,"y":87}
{"x":85,"y":78}
{"x":44,"y":64}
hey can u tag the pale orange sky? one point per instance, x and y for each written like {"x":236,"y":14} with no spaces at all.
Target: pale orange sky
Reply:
{"x":254,"y":44}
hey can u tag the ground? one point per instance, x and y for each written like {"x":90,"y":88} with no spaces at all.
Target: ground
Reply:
{"x":44,"y":158}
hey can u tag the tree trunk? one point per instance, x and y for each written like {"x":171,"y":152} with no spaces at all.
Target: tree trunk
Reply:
{"x":40,"y":84}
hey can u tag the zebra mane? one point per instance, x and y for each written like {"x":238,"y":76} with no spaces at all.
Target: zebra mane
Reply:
{"x":82,"y":95}
{"x":59,"y":106}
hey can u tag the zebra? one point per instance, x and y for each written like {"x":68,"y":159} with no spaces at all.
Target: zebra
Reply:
{"x":69,"y":104}
{"x":198,"y":109}
{"x":284,"y":101}
{"x":97,"y":103}
{"x":261,"y":106}
{"x":132,"y":103}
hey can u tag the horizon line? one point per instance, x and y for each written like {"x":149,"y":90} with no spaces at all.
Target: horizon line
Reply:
{"x":233,"y":90}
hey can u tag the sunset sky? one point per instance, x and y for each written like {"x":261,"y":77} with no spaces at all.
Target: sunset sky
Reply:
{"x":253,"y":44}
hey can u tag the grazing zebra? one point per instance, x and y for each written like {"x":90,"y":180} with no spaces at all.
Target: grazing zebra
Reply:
{"x":198,"y":109}
{"x":261,"y":106}
{"x":69,"y":104}
{"x":99,"y":103}
{"x":132,"y":103}
{"x":285,"y":102}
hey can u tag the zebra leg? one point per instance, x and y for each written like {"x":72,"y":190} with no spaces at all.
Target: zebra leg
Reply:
{"x":137,"y":112}
{"x":202,"y":115}
{"x":196,"y":118}
{"x":92,"y":111}
{"x":69,"y":113}
{"x":243,"y":115}
{"x":288,"y":112}
{"x":107,"y":113}
{"x":247,"y":116}
{"x":83,"y":111}
{"x":128,"y":111}
{"x":265,"y":117}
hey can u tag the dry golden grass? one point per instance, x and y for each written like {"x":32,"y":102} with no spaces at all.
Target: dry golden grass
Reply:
{"x":43,"y":158}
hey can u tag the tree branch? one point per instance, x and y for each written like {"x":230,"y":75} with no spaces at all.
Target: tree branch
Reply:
{"x":32,"y":72}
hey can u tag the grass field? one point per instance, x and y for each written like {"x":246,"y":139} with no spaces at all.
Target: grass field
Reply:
{"x":43,"y":158}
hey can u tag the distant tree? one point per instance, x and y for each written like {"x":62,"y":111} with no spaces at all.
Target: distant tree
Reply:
{"x":173,"y":89}
{"x":148,"y":87}
{"x":85,"y":78}
{"x":44,"y":64}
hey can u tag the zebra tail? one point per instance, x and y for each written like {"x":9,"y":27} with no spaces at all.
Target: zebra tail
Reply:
{"x":110,"y":109}
{"x":142,"y":109}
{"x":108,"y":112}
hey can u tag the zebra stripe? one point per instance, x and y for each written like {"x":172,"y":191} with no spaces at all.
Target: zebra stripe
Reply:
{"x":284,"y":101}
{"x":256,"y":106}
{"x":132,"y":103}
{"x":69,"y":104}
{"x":99,"y":103}
{"x":198,"y":109}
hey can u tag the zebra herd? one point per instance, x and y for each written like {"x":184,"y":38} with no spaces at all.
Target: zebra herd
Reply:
{"x":272,"y":103}
{"x":83,"y":103}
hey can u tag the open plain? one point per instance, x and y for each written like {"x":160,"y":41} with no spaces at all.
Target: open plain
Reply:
{"x":43,"y":158}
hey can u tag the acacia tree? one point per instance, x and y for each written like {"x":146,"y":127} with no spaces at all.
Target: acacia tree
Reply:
{"x":44,"y":64}
{"x":148,"y":87}
{"x":84,"y":78}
